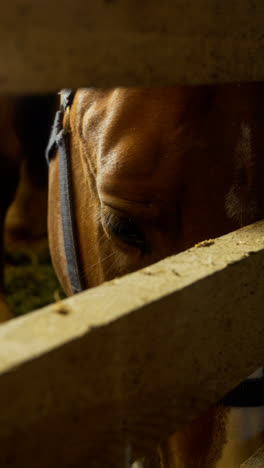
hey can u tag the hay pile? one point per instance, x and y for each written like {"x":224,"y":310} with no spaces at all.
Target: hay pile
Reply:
{"x":30,"y":279}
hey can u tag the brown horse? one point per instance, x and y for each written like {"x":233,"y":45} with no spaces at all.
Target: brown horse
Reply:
{"x":154,"y":171}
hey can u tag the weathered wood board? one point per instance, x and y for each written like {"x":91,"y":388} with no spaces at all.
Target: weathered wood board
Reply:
{"x":127,"y":363}
{"x":47,"y":45}
{"x":256,"y":461}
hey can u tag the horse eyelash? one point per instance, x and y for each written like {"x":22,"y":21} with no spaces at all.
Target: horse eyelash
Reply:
{"x":114,"y":224}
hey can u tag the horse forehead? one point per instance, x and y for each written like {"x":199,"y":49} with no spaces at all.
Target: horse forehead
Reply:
{"x":120,"y":108}
{"x":141,"y":139}
{"x":145,"y":133}
{"x":127,"y":130}
{"x":135,"y":126}
{"x":114,"y":111}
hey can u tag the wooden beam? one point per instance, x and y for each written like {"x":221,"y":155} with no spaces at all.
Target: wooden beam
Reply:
{"x":118,"y":367}
{"x":47,"y":45}
{"x":256,"y":461}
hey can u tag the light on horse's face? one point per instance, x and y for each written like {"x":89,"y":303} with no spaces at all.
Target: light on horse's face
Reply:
{"x":154,"y":171}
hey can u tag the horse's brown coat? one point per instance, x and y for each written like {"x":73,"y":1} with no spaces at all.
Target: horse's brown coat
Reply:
{"x":167,"y":167}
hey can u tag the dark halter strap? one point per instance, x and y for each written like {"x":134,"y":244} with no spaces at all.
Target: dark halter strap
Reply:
{"x":59,"y":141}
{"x":250,"y":392}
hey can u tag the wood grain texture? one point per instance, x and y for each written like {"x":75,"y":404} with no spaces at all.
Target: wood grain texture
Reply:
{"x":119,"y":367}
{"x":47,"y":45}
{"x":256,"y":461}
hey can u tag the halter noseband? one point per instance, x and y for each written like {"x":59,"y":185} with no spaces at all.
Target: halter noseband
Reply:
{"x":59,"y":141}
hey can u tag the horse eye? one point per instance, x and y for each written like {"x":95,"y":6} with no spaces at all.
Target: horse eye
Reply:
{"x":125,"y":229}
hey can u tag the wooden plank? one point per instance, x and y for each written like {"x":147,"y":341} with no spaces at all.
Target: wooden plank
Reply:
{"x":112,"y":370}
{"x":256,"y":461}
{"x":47,"y":45}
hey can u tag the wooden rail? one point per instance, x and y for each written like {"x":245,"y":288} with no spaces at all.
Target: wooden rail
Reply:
{"x":47,"y":44}
{"x":114,"y":368}
{"x":256,"y":461}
